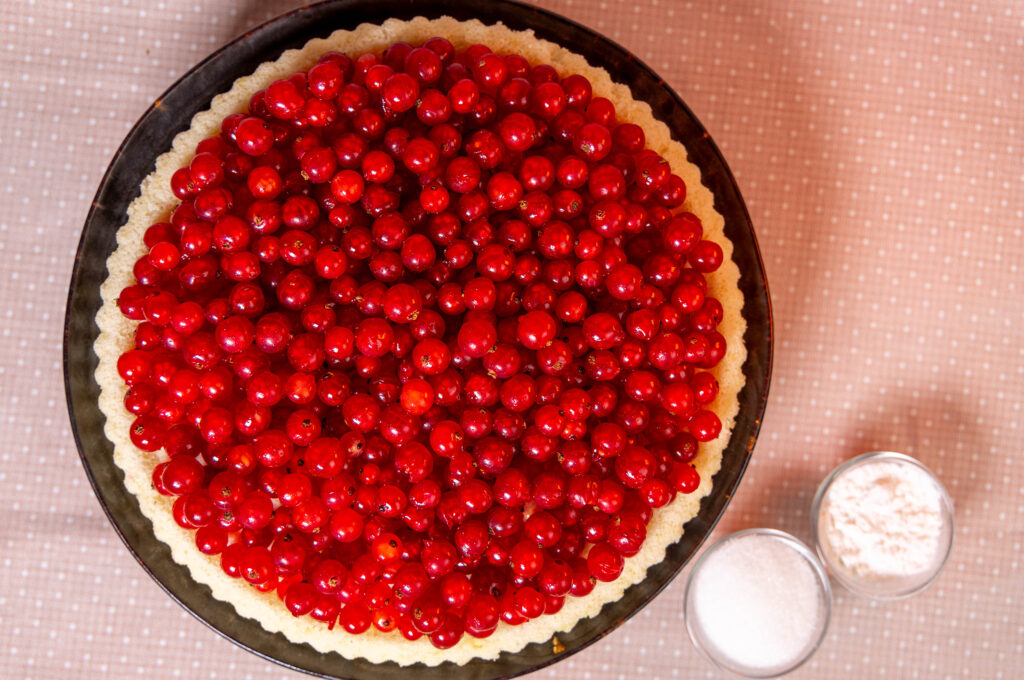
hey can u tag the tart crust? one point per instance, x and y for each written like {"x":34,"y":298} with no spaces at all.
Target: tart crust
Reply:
{"x":155,"y":203}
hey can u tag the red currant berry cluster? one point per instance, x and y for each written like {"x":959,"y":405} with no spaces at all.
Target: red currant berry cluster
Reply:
{"x":426,"y":341}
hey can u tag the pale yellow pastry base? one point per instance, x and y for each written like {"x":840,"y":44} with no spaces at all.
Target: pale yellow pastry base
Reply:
{"x":116,"y":334}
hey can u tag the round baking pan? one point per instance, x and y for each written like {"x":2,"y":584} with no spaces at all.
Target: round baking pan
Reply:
{"x":172,"y":113}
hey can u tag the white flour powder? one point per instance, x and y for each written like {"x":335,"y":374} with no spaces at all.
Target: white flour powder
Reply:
{"x":882,"y":521}
{"x":756,"y":602}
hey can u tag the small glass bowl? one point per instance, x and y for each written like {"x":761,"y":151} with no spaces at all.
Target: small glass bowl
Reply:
{"x":884,"y":589}
{"x":716,"y":656}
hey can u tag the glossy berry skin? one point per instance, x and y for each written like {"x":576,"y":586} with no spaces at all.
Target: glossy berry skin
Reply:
{"x":536,"y":329}
{"x":476,"y":338}
{"x":604,"y":562}
{"x":253,"y":136}
{"x":427,"y":340}
{"x":400,"y":92}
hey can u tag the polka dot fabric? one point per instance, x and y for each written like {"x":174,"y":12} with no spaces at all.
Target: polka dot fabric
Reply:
{"x":878,"y":146}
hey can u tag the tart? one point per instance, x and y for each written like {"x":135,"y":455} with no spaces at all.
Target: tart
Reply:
{"x":422,"y":343}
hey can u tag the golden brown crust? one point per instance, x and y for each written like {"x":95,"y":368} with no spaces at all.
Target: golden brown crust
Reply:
{"x":116,"y":335}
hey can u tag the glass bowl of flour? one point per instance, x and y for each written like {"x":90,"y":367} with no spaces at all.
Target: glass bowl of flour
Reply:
{"x":883,"y":525}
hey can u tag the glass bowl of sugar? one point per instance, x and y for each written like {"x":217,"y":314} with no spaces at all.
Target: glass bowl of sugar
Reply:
{"x":758,"y":603}
{"x":882,"y":523}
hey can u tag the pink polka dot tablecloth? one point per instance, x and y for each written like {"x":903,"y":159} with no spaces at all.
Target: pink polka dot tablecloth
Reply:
{"x":879,"y":148}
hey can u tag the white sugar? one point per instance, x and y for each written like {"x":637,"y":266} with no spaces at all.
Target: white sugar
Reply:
{"x":757,"y":604}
